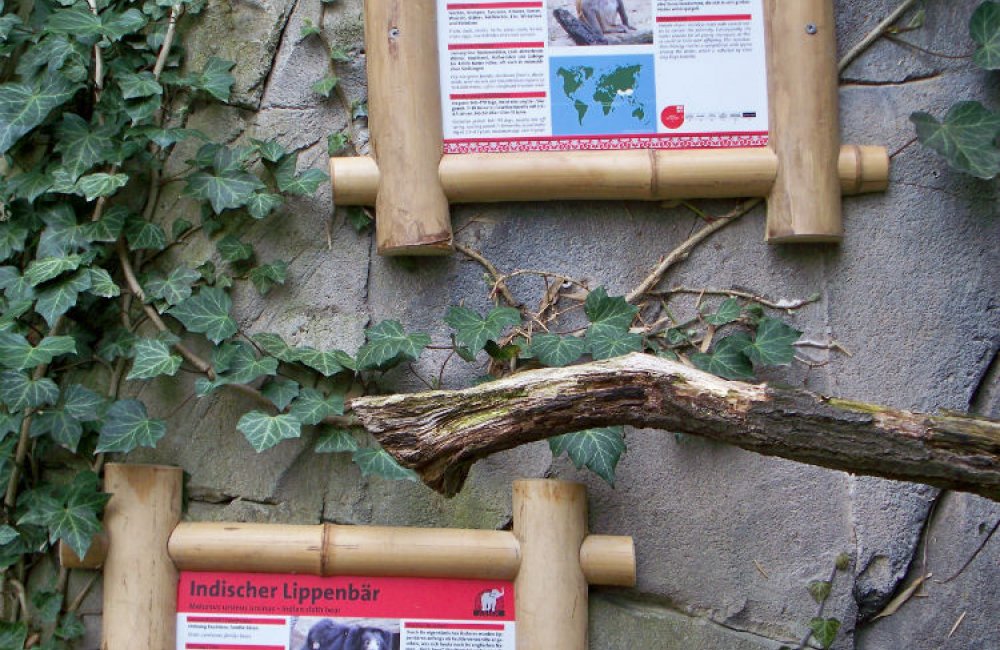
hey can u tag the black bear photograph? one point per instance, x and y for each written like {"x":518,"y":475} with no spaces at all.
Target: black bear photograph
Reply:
{"x":328,"y":634}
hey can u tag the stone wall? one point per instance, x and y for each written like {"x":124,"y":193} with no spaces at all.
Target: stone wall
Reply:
{"x":727,"y":540}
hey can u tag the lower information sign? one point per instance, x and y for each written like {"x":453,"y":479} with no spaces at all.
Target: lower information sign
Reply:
{"x":256,"y":611}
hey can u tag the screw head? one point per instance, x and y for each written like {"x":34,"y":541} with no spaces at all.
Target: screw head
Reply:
{"x":811,"y":29}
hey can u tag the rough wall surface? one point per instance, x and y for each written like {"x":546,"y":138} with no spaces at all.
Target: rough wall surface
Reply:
{"x":727,"y":540}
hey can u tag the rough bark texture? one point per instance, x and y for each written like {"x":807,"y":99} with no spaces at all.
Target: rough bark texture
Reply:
{"x":440,"y":434}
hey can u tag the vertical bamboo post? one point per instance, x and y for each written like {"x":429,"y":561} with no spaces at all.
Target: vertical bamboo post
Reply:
{"x":140,"y":581}
{"x":550,"y":591}
{"x":805,"y":202}
{"x":404,"y":110}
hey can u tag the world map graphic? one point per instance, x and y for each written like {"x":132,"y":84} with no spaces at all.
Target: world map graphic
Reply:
{"x":602,"y":97}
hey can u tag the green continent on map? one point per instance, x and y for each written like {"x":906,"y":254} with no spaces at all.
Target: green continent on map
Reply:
{"x":618,"y":82}
{"x":610,"y":88}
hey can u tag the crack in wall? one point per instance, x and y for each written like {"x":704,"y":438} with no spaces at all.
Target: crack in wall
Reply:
{"x":279,"y":43}
{"x":848,"y":82}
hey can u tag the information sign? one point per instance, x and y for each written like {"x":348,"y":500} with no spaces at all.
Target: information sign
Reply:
{"x":673,"y":74}
{"x":255,"y":611}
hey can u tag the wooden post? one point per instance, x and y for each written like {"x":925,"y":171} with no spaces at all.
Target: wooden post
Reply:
{"x":140,"y":581}
{"x":405,"y":115}
{"x":550,"y":522}
{"x":804,"y":205}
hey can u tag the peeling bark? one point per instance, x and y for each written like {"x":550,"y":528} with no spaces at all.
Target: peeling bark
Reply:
{"x":440,"y":434}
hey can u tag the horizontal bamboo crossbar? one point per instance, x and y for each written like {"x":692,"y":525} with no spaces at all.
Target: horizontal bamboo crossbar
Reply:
{"x":642,"y":175}
{"x":330,"y":549}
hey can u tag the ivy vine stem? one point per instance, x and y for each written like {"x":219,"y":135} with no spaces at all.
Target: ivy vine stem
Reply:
{"x":874,"y":34}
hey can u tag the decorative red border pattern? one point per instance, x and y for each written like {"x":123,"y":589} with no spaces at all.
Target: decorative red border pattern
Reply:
{"x":609,"y":143}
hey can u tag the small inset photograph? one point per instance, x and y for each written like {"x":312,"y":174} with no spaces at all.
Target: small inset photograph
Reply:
{"x":600,"y":22}
{"x":310,"y":633}
{"x":603,"y":95}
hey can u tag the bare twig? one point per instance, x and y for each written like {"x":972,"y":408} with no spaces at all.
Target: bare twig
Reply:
{"x":976,"y":553}
{"x":874,"y":34}
{"x":681,"y":253}
{"x":787,"y":305}
{"x":168,"y":40}
{"x":498,"y":279}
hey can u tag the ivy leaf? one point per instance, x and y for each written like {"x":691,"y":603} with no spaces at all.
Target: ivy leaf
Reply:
{"x":233,"y":250}
{"x":728,"y":359}
{"x":116,"y":26}
{"x":82,"y":403}
{"x":116,"y":343}
{"x":13,"y":635}
{"x":70,"y":627}
{"x":312,"y":406}
{"x":152,"y":359}
{"x":281,"y":392}
{"x":325,"y":85}
{"x":359,"y":218}
{"x":47,"y":604}
{"x":127,"y":426}
{"x":264,"y":277}
{"x":17,"y":353}
{"x":984,"y":28}
{"x":45,"y":269}
{"x":825,"y":630}
{"x":389,"y":344}
{"x":773,"y":343}
{"x":110,"y":227}
{"x":76,"y":22}
{"x":608,"y":341}
{"x":142,"y":234}
{"x":597,"y":449}
{"x":336,"y":441}
{"x":243,"y":366}
{"x":262,"y":204}
{"x":820,"y":590}
{"x":207,"y":313}
{"x":29,"y":185}
{"x":270,"y":150}
{"x":74,"y":521}
{"x":81,"y":147}
{"x":378,"y":462}
{"x":102,"y":285}
{"x":135,"y":86}
{"x":966,"y":137}
{"x":12,"y":238}
{"x":473,"y":331}
{"x":59,"y":425}
{"x":729,"y":312}
{"x":62,"y":234}
{"x":611,"y":312}
{"x":94,"y":186}
{"x":141,"y":110}
{"x":176,"y":288}
{"x":264,"y":431}
{"x":7,"y":535}
{"x":23,"y":107}
{"x":226,"y":191}
{"x":325,"y":362}
{"x":58,"y":298}
{"x":555,"y":350}
{"x":215,"y":78}
{"x":19,"y":392}
{"x":275,"y":346}
{"x":303,"y":184}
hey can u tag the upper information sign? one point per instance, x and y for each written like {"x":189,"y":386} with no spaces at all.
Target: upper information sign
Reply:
{"x":692,"y":75}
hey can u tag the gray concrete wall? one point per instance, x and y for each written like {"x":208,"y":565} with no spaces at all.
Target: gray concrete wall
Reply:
{"x":727,"y":540}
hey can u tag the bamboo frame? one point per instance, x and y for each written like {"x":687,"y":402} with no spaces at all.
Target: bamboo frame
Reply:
{"x":549,"y":546}
{"x":803,"y":172}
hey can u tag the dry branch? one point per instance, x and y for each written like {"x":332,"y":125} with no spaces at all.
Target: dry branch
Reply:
{"x":439,"y":434}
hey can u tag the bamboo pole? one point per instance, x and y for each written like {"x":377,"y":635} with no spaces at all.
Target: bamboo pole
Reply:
{"x":805,"y":202}
{"x":140,"y":580}
{"x":550,"y":522}
{"x":405,"y":116}
{"x":329,"y":549}
{"x":626,"y":175}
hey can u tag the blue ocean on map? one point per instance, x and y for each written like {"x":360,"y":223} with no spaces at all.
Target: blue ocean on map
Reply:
{"x":603,"y":95}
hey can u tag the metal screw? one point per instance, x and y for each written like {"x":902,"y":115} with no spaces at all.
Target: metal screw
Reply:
{"x":811,"y":29}
{"x":394,"y":32}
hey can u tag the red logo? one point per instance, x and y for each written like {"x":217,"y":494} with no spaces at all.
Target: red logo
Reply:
{"x":489,"y":603}
{"x":673,"y":116}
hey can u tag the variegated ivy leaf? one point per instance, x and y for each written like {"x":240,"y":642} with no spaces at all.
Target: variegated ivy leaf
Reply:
{"x":19,"y":392}
{"x":152,"y":359}
{"x":336,"y":441}
{"x":43,"y":270}
{"x":102,"y":285}
{"x":17,"y":353}
{"x":142,"y":234}
{"x":265,"y":276}
{"x":597,"y":449}
{"x":24,"y":106}
{"x":225,"y":191}
{"x":303,"y":184}
{"x":12,"y":238}
{"x":325,"y":362}
{"x":127,"y":426}
{"x":262,"y":204}
{"x":966,"y":137}
{"x":59,"y":425}
{"x":59,"y":297}
{"x":728,"y":358}
{"x":984,"y":27}
{"x":264,"y":431}
{"x":275,"y":346}
{"x":281,"y":392}
{"x":609,"y":311}
{"x":94,"y":186}
{"x":472,"y":331}
{"x":312,"y":407}
{"x":555,"y":350}
{"x":389,"y":344}
{"x":82,"y":146}
{"x":773,"y":344}
{"x":176,"y":288}
{"x":207,"y":313}
{"x":233,"y":250}
{"x":378,"y":462}
{"x":728,"y":312}
{"x":83,"y":404}
{"x":608,"y":341}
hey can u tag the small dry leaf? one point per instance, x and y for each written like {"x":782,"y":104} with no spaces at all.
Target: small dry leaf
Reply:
{"x":902,"y":598}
